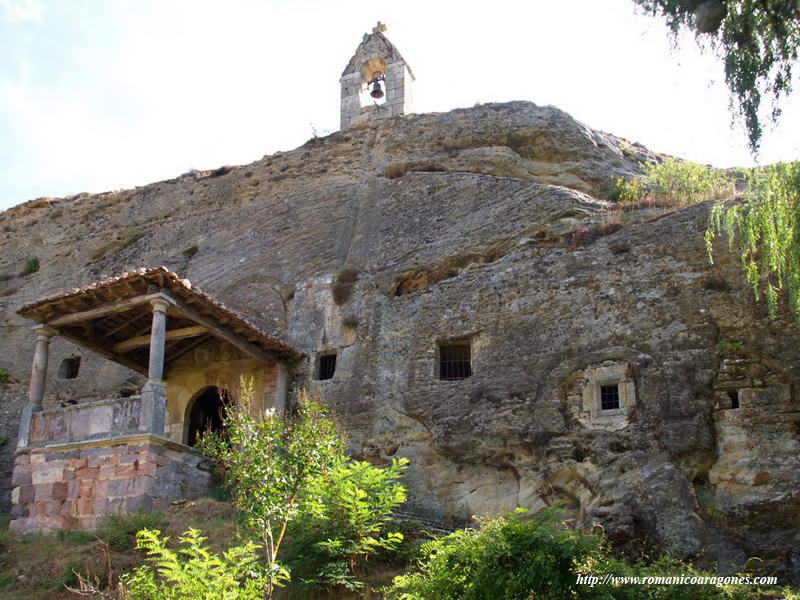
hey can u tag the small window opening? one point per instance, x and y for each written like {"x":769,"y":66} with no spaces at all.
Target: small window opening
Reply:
{"x":454,"y":362}
{"x":609,"y":397}
{"x":734,"y":397}
{"x":69,"y":367}
{"x":327,"y":366}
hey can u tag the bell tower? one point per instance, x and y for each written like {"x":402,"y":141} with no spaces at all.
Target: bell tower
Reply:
{"x":376,"y":84}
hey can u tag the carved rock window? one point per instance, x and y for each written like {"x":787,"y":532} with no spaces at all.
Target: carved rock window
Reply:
{"x":326,"y":366}
{"x":69,"y":368}
{"x":455,"y":361}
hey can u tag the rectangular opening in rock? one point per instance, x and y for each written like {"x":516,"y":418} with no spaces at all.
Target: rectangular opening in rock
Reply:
{"x":454,"y":361}
{"x":609,"y":397}
{"x":69,"y":367}
{"x":327,"y":366}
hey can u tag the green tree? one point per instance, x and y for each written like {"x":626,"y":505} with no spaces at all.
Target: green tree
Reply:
{"x":346,"y":520}
{"x":272,"y":466}
{"x":758,"y":41}
{"x":765,"y":229}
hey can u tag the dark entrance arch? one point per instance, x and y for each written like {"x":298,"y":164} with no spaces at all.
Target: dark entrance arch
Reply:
{"x":205,"y":414}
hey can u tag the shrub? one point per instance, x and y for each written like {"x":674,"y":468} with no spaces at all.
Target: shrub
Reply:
{"x":5,"y":376}
{"x":131,"y":237}
{"x":586,"y":235}
{"x":345,"y":521}
{"x":119,"y":531}
{"x":395,"y":170}
{"x":517,"y":559}
{"x":342,"y":288}
{"x":31,"y":266}
{"x":673,"y":182}
{"x":766,"y":231}
{"x":729,"y":347}
{"x":193,"y":572}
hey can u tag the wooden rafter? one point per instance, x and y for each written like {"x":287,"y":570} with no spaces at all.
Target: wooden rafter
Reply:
{"x":187,"y":348}
{"x":105,"y":352}
{"x":103,"y":310}
{"x":175,"y":334}
{"x":235,"y":341}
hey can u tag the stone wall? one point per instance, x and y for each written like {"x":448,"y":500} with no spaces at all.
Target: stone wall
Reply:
{"x":74,"y":486}
{"x":466,"y":239}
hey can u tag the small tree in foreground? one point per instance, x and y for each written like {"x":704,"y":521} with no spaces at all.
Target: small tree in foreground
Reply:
{"x":272,"y":466}
{"x":194,"y":573}
{"x":345,"y":521}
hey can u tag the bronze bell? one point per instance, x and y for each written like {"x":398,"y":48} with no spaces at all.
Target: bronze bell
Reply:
{"x":376,"y":92}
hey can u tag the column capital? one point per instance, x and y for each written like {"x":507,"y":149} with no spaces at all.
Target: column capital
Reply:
{"x":45,"y":332}
{"x":159,"y":305}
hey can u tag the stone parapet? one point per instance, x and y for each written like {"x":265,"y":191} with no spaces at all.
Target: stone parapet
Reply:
{"x":75,"y":485}
{"x":98,"y":419}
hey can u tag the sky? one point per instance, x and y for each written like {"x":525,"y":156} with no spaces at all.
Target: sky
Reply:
{"x":99,"y":95}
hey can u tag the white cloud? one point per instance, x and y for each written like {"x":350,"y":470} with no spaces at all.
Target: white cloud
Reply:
{"x":22,"y":10}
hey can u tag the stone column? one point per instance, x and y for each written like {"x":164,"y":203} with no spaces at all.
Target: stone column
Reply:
{"x":39,"y":371}
{"x":38,"y":376}
{"x":158,"y":340}
{"x":152,"y":414}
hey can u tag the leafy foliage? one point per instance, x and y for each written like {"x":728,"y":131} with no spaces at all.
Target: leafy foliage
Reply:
{"x":766,"y":231}
{"x":193,"y":572}
{"x":31,"y":266}
{"x":345,"y":521}
{"x":271,"y":466}
{"x":517,"y":559}
{"x":119,"y":531}
{"x":758,"y":41}
{"x":674,"y":182}
{"x":729,"y":347}
{"x":4,"y":376}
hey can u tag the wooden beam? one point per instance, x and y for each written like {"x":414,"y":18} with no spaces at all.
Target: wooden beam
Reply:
{"x":127,"y":322}
{"x":232,"y":339}
{"x":105,"y":309}
{"x":105,"y":352}
{"x":170,"y":358}
{"x":175,"y":334}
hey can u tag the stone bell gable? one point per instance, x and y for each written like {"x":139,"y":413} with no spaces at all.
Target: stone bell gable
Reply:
{"x":376,"y":84}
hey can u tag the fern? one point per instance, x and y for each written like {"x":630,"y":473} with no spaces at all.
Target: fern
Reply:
{"x":193,"y":572}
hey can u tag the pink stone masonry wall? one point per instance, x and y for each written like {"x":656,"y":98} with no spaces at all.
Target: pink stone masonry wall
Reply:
{"x":76,"y":488}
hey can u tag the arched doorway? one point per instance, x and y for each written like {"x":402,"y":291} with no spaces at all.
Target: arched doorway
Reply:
{"x":205,"y":414}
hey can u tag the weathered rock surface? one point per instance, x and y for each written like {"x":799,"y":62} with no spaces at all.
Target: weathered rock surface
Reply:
{"x":454,"y":222}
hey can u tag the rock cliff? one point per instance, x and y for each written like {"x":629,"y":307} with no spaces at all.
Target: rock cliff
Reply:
{"x":457,"y":227}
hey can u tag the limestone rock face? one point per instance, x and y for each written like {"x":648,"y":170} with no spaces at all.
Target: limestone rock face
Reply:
{"x":455,"y":225}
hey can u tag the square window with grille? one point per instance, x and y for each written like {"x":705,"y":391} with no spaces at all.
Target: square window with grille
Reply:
{"x":327,"y":366}
{"x":609,"y":397}
{"x":454,"y":361}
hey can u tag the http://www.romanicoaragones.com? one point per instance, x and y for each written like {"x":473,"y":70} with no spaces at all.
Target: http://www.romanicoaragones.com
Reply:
{"x":719,"y":581}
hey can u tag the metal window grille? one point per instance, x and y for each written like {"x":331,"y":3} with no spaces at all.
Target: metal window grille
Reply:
{"x":609,"y":397}
{"x":454,"y":362}
{"x":327,"y":366}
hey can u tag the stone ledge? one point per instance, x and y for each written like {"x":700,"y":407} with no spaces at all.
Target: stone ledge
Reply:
{"x":141,"y":438}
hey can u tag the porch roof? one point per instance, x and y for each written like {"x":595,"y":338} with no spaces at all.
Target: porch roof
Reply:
{"x":113,"y":318}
